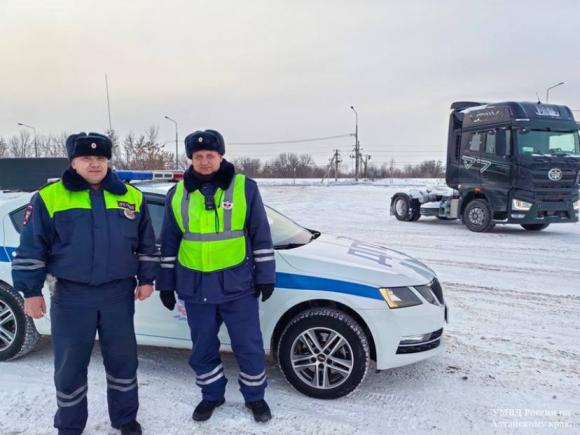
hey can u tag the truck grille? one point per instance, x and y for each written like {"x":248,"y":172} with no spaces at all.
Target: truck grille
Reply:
{"x":552,"y":191}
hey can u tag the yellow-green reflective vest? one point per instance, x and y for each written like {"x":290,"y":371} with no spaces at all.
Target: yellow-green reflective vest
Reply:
{"x":58,"y":198}
{"x":212,"y":239}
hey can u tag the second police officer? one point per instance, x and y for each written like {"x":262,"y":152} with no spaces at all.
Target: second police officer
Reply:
{"x":217,"y":254}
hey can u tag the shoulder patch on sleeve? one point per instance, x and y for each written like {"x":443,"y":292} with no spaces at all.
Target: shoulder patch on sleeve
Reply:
{"x":27,"y":214}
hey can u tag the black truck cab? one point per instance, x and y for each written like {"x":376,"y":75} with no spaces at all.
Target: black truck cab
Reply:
{"x":514,"y":162}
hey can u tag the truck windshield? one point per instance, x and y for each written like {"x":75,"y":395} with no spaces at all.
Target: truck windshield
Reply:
{"x":548,"y":142}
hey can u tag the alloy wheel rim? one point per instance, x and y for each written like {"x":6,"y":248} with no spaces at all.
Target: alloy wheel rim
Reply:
{"x":322,"y":358}
{"x":8,"y":326}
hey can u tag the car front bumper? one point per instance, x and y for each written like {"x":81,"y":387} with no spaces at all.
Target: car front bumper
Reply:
{"x":391,"y":330}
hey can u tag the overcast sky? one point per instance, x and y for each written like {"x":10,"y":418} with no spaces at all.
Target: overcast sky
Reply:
{"x":273,"y":70}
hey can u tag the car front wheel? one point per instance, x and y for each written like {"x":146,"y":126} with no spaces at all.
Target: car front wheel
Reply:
{"x":18,"y":334}
{"x":324,"y":353}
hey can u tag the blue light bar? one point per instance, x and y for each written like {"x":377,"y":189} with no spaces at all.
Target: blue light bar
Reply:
{"x":134,"y":175}
{"x":126,"y":175}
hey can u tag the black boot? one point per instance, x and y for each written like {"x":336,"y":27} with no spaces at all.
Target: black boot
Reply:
{"x":131,"y":428}
{"x":205,"y":408}
{"x":261,"y":410}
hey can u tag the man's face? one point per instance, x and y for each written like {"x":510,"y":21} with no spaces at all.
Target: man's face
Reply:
{"x":92,"y":168}
{"x":206,"y":162}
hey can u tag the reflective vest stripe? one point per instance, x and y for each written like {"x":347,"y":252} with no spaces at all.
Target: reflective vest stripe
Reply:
{"x":228,"y":198}
{"x":212,"y":237}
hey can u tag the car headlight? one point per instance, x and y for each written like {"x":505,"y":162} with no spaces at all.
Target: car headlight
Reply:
{"x":577,"y":205}
{"x":399,"y":297}
{"x":518,"y":204}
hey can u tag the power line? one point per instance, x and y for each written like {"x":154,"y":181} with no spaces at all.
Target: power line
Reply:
{"x":313,"y":139}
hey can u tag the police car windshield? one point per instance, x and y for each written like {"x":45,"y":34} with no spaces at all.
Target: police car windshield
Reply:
{"x":286,"y":233}
{"x":545,"y":142}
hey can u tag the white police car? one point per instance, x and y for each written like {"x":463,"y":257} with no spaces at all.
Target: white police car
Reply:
{"x":339,"y":303}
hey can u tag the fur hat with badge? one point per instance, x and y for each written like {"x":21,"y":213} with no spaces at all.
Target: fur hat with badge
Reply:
{"x":210,"y":140}
{"x":92,"y":144}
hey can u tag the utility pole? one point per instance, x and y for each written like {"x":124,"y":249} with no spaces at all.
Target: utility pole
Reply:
{"x":356,"y":145}
{"x":35,"y":140}
{"x":366,"y":158}
{"x":108,"y":104}
{"x":336,"y":160}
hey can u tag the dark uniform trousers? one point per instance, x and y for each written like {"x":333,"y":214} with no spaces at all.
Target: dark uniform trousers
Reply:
{"x":78,"y":312}
{"x":243,"y":325}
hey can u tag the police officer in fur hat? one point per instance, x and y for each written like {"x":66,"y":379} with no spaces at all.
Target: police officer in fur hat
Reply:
{"x":217,"y":254}
{"x":94,"y":234}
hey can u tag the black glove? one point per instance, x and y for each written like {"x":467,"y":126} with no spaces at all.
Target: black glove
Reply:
{"x":167,"y":299}
{"x":265,"y":290}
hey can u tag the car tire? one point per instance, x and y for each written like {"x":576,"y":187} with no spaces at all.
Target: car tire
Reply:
{"x":18,"y":335}
{"x":477,"y":216}
{"x":332,"y":366}
{"x":535,"y":227}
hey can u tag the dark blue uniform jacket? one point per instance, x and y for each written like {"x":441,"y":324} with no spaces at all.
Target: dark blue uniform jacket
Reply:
{"x":87,"y":246}
{"x":228,"y":284}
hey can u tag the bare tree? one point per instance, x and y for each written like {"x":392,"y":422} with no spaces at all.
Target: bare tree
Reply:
{"x":20,"y":145}
{"x":52,"y":146}
{"x":145,"y":152}
{"x":248,"y":166}
{"x":3,"y":147}
{"x":118,"y":158}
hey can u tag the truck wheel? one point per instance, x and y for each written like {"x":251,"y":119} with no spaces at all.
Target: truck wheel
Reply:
{"x":401,"y":206}
{"x":324,"y":353}
{"x":535,"y":227}
{"x":477,"y":216}
{"x":18,"y":335}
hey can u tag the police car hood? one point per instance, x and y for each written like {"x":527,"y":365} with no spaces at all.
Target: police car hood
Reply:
{"x":347,"y":259}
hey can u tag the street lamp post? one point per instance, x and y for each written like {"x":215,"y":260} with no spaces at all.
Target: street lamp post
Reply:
{"x":35,"y":142}
{"x":176,"y":142}
{"x":552,"y":87}
{"x":356,"y":144}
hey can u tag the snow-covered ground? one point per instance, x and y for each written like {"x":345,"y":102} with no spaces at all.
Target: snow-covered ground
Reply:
{"x":512,"y":363}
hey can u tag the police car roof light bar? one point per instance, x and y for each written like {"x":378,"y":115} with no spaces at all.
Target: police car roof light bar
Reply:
{"x":127,"y":175}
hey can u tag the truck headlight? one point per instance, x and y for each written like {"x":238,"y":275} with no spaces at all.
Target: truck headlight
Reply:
{"x":518,"y":204}
{"x":399,"y":297}
{"x":577,"y":205}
